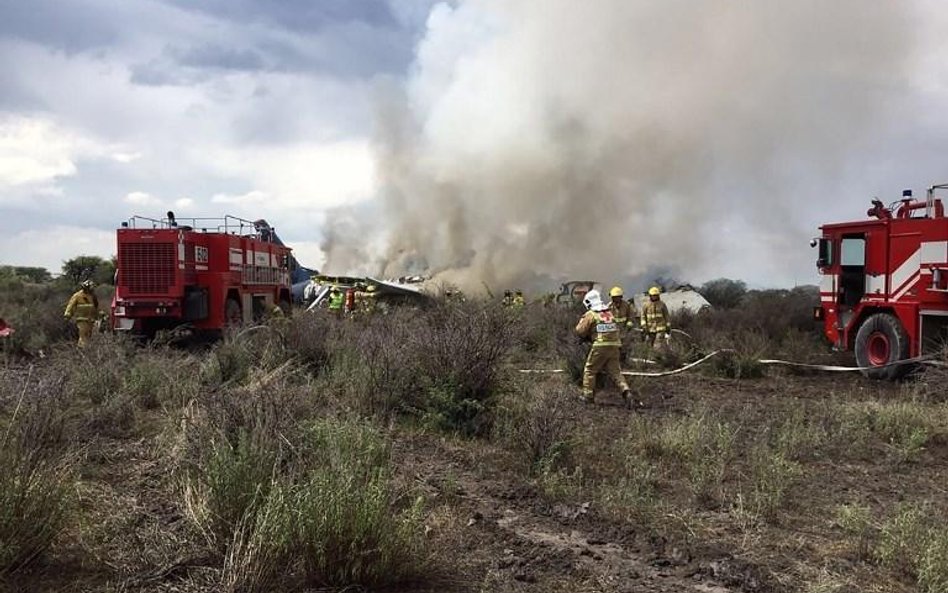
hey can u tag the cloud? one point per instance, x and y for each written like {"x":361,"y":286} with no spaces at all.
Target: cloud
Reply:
{"x":36,"y":150}
{"x":49,"y":247}
{"x":140,"y":198}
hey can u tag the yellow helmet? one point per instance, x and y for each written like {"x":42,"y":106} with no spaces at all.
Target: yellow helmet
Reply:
{"x":371,"y":288}
{"x":615,"y":291}
{"x":654,"y":291}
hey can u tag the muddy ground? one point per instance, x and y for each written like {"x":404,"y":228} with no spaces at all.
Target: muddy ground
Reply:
{"x":494,"y":525}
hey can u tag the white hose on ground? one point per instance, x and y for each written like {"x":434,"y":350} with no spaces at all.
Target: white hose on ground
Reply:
{"x":765,"y":361}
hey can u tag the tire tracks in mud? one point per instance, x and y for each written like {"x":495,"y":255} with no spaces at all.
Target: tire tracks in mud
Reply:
{"x":524,"y":543}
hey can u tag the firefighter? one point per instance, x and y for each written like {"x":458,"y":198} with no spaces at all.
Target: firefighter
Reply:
{"x":623,"y":313}
{"x":654,"y":322}
{"x":276,"y":312}
{"x":83,"y":309}
{"x":508,"y":299}
{"x":518,"y":301}
{"x":598,"y":324}
{"x":349,"y":300}
{"x":336,"y":301}
{"x":367,"y":301}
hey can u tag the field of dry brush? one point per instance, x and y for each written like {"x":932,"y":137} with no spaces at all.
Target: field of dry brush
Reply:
{"x":407,"y":453}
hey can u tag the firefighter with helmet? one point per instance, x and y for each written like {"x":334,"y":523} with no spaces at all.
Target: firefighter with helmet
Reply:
{"x":624,"y":315}
{"x":599,"y":325}
{"x":83,"y":309}
{"x":655,"y":322}
{"x":518,"y":301}
{"x":367,"y":301}
{"x":336,"y":301}
{"x":508,"y":299}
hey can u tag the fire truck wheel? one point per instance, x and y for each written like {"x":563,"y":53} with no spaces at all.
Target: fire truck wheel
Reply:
{"x":880,"y":341}
{"x":232,"y":313}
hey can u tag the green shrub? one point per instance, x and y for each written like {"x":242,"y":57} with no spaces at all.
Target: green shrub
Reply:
{"x":772,"y":477}
{"x":36,"y":493}
{"x":903,"y":538}
{"x":904,"y":426}
{"x":802,"y":435}
{"x":856,"y":521}
{"x":535,"y":423}
{"x":349,"y":529}
{"x":633,"y":497}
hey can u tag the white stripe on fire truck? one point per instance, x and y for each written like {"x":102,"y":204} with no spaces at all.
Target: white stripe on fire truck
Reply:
{"x":908,"y":286}
{"x":905,"y":272}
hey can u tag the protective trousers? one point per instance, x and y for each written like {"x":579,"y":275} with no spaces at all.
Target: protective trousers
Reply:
{"x":602,"y":358}
{"x":85,"y":331}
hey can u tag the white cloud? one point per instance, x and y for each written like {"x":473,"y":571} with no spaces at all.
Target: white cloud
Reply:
{"x":251,"y":197}
{"x":49,"y":247}
{"x":126,"y":157}
{"x":35,"y":150}
{"x":184,"y":203}
{"x":141,"y":198}
{"x":308,"y":176}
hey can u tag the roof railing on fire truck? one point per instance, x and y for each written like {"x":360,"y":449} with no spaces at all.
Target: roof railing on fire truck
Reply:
{"x":930,"y":200}
{"x":230,"y":225}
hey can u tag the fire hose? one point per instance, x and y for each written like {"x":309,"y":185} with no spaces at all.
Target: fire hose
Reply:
{"x":927,"y":360}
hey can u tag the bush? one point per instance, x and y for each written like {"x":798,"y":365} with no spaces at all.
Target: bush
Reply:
{"x":443,"y":367}
{"x":912,"y":543}
{"x":701,"y":443}
{"x":535,"y":423}
{"x":856,"y":521}
{"x":281,"y":502}
{"x":36,"y":494}
{"x":772,"y":476}
{"x":349,"y":531}
{"x":904,"y":426}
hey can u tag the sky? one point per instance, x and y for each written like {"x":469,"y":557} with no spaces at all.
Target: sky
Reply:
{"x":285,"y":110}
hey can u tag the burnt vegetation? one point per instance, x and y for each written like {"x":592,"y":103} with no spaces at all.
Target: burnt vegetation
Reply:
{"x":407,"y":451}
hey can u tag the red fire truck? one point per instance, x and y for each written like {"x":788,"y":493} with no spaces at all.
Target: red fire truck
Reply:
{"x":205,"y":273}
{"x":884,"y":287}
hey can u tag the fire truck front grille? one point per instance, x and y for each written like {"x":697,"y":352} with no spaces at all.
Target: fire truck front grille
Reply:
{"x":147,"y":268}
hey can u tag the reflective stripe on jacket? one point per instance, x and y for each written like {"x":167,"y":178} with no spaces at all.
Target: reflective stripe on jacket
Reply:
{"x":336,"y":301}
{"x":604,"y":325}
{"x":623,"y":313}
{"x":82,"y":306}
{"x":655,"y":317}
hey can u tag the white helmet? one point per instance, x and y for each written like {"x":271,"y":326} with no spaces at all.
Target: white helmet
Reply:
{"x":593,"y":301}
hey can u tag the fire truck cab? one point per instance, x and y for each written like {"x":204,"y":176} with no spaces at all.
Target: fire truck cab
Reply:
{"x":884,"y":286}
{"x":205,"y":273}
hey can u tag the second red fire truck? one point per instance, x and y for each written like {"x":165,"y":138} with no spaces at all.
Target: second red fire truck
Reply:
{"x":207,"y":274}
{"x":884,"y":288}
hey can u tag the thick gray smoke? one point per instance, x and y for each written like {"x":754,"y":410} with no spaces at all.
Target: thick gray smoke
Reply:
{"x":601,"y":139}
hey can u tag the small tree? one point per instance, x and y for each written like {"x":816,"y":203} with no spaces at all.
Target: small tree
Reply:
{"x":724,"y":293}
{"x":30,"y":274}
{"x":89,"y":267}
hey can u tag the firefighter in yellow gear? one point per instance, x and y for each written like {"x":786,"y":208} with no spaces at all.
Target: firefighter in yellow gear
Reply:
{"x":337,"y":300}
{"x":599,"y":325}
{"x":366,"y":300}
{"x":508,"y":299}
{"x":655,"y":320}
{"x":518,"y":301}
{"x":83,"y":309}
{"x":624,"y":315}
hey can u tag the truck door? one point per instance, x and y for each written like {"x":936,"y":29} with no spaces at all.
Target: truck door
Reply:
{"x":852,"y":275}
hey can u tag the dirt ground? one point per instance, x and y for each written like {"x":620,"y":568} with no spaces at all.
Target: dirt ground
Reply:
{"x":494,"y":527}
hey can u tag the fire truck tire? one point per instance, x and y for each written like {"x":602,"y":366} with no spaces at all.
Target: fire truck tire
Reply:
{"x":880,"y":341}
{"x":233,"y":316}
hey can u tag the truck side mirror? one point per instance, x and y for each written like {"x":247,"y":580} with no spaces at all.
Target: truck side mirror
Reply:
{"x":825,"y":253}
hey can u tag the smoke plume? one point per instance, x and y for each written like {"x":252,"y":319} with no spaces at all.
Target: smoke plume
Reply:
{"x":603,"y":139}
